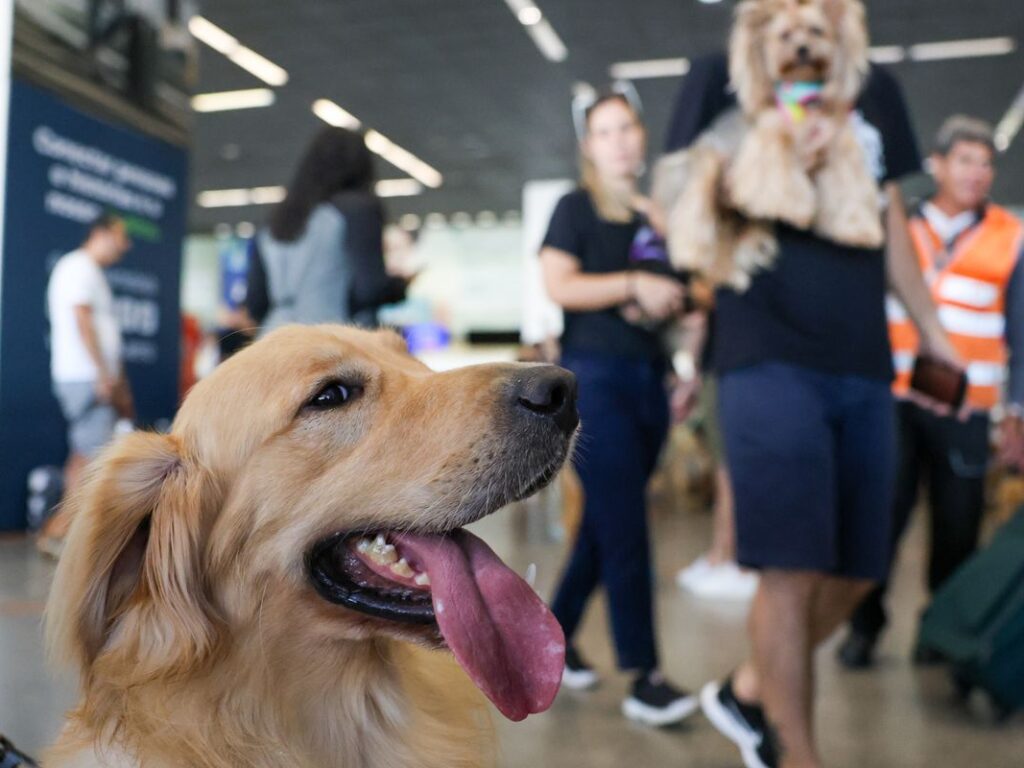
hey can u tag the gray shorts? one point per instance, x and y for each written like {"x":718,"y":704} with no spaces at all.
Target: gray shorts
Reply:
{"x":90,"y":422}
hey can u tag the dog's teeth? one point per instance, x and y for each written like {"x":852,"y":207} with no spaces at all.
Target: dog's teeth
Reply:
{"x":363,"y":546}
{"x":422,"y":579}
{"x":380,"y":542}
{"x":530,"y":577}
{"x":385,"y":556}
{"x":402,"y":568}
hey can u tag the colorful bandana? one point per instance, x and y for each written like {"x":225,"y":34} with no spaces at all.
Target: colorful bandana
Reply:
{"x":795,"y":98}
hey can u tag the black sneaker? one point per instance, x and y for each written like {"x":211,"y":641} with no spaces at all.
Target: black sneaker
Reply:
{"x":578,"y":675}
{"x":655,"y":701}
{"x":743,"y":724}
{"x":857,"y":650}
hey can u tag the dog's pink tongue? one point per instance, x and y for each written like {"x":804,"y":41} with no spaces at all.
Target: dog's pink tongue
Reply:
{"x":499,"y":630}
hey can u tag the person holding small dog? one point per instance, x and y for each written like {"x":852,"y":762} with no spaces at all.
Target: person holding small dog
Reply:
{"x":611,"y":343}
{"x":970,"y":251}
{"x":801,"y":344}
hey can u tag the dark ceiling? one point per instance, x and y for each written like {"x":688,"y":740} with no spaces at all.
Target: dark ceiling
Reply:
{"x":460,"y":84}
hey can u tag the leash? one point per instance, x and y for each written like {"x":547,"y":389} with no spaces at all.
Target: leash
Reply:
{"x":10,"y":757}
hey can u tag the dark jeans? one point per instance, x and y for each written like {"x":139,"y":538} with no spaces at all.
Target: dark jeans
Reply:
{"x":950,"y":456}
{"x":624,"y":410}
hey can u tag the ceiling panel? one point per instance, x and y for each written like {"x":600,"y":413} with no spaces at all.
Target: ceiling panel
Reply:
{"x":460,"y":84}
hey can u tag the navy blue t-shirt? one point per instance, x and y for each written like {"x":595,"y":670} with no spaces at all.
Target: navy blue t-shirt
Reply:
{"x":821,"y":305}
{"x":601,"y":247}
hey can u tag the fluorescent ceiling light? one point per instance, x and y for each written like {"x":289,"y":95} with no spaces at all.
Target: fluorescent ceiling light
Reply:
{"x":227,"y":100}
{"x":887,"y":54}
{"x":205,"y":30}
{"x":529,"y":15}
{"x":539,"y":29}
{"x":332,"y":114}
{"x":962,"y":49}
{"x":223,"y":198}
{"x":398,"y":187}
{"x":257,"y":65}
{"x":648,"y":68}
{"x":1011,"y":123}
{"x":233,"y":198}
{"x":548,"y":41}
{"x":403,"y":159}
{"x":209,"y":33}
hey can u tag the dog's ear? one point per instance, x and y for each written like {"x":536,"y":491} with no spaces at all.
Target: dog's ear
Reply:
{"x":850,"y":65}
{"x":130,"y":582}
{"x":748,"y":69}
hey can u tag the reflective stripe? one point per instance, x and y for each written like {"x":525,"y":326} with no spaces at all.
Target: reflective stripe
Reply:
{"x":895,"y":310}
{"x":967,"y":290}
{"x":986,"y":374}
{"x":967,"y":322}
{"x":903,"y":362}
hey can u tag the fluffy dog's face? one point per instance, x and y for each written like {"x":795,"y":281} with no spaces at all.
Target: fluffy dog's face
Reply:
{"x":789,"y":40}
{"x":799,"y":44}
{"x":311,"y":495}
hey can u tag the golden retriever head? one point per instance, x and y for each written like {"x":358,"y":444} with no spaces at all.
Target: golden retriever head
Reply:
{"x":307,"y":503}
{"x":788,"y":40}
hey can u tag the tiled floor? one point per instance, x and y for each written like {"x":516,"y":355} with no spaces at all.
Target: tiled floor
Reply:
{"x":893,"y":717}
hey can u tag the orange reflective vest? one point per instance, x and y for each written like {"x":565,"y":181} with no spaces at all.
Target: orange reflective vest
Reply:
{"x":970,"y":295}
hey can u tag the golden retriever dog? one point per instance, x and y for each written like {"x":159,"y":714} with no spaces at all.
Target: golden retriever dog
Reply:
{"x":251,"y":589}
{"x":789,"y":153}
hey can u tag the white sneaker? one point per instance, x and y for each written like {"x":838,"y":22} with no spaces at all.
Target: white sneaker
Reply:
{"x":577,"y":675}
{"x":726,"y":581}
{"x":694,"y":572}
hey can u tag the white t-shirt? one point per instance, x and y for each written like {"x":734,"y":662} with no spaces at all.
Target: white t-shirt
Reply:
{"x":77,"y":280}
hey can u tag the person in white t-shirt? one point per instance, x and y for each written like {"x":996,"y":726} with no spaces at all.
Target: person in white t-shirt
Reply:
{"x":85,"y":354}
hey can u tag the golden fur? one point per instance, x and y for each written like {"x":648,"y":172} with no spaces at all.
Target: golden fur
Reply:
{"x":758,"y":166}
{"x":181,"y":598}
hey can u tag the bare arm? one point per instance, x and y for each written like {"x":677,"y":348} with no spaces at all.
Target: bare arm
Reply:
{"x":907,"y":282}
{"x":574,"y":290}
{"x":87,"y":330}
{"x":578,"y":291}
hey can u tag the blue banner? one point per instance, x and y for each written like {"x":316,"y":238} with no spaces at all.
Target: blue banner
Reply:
{"x":64,"y":168}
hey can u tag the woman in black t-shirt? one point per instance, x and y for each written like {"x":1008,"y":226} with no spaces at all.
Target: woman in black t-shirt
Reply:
{"x":618,"y":360}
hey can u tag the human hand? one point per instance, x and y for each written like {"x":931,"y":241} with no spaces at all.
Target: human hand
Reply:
{"x":659,"y":297}
{"x":104,"y":387}
{"x":1010,"y":451}
{"x":683,"y":398}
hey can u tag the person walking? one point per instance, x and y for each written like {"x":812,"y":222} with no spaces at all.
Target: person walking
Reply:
{"x":85,"y":357}
{"x":807,"y":415}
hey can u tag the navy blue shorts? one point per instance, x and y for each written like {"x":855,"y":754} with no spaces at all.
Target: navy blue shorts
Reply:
{"x":812,"y":460}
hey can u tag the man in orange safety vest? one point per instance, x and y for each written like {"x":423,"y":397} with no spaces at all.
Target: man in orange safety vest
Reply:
{"x":970,"y":253}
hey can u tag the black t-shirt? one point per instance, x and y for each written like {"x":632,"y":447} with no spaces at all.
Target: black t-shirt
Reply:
{"x":822,"y":305}
{"x":601,"y":247}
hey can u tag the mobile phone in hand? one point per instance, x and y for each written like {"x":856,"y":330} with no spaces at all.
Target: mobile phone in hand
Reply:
{"x":940,"y":381}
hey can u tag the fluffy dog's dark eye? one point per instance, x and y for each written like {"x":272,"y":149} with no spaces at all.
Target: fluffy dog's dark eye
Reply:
{"x":333,"y":395}
{"x":817,"y":31}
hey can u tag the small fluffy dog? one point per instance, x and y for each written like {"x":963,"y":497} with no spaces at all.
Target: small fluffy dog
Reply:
{"x":248,"y":589}
{"x":789,"y":154}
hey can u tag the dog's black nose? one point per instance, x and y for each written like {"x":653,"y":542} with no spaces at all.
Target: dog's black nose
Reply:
{"x":550,"y":392}
{"x":803,"y":53}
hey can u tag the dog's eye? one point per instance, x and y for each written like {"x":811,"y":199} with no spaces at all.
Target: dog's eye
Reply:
{"x":818,"y":31}
{"x":333,"y":395}
{"x":786,"y":34}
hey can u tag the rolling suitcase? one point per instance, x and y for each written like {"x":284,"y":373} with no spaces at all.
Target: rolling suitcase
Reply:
{"x":976,"y":620}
